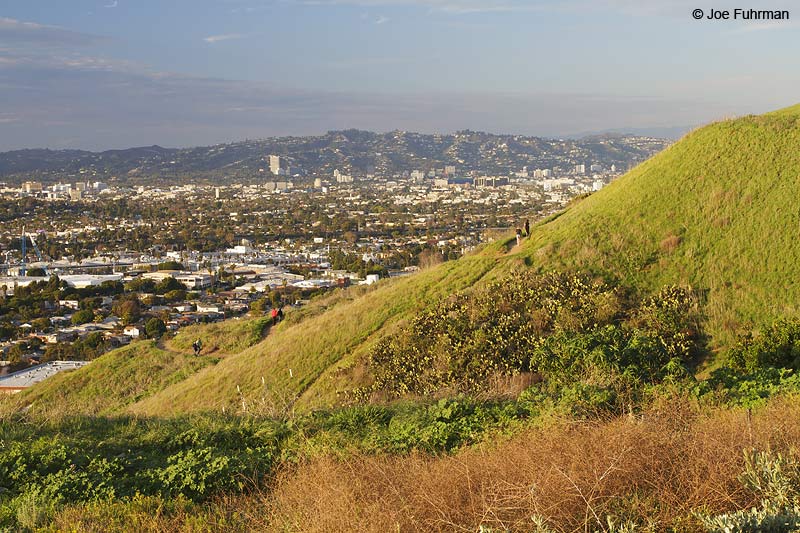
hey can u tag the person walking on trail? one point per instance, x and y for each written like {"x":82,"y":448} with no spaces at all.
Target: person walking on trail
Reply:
{"x":197,"y":346}
{"x":274,"y":315}
{"x":519,"y":236}
{"x":527,"y":227}
{"x":280,"y":314}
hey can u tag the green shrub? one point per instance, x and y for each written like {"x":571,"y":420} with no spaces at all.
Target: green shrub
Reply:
{"x":32,"y":510}
{"x":776,"y":480}
{"x":198,"y":472}
{"x":82,"y":317}
{"x":86,"y":460}
{"x":155,"y":328}
{"x":561,"y":326}
{"x":776,"y":346}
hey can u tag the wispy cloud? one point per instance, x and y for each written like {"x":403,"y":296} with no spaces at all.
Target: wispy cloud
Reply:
{"x":382,"y":20}
{"x":17,"y":32}
{"x":365,"y":62}
{"x":224,"y":37}
{"x":113,"y":4}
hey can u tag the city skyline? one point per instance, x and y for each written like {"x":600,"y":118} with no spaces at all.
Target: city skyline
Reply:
{"x":114,"y":74}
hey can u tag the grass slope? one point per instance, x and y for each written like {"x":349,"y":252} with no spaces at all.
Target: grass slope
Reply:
{"x":317,"y":350}
{"x":115,"y":380}
{"x":716,"y":210}
{"x":125,"y":376}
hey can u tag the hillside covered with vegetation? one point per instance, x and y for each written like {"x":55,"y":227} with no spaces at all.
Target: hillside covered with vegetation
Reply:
{"x":630,"y":366}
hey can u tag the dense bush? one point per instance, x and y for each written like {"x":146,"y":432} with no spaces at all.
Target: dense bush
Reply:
{"x":82,"y":317}
{"x":776,"y":346}
{"x":97,"y":460}
{"x":155,"y":328}
{"x":561,"y":326}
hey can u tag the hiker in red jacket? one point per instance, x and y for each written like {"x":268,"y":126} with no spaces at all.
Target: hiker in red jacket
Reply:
{"x":274,"y":315}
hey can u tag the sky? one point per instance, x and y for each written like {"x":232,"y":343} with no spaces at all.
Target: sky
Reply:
{"x":102,"y":74}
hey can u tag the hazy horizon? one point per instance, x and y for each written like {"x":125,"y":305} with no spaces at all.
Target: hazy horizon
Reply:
{"x":114,"y":74}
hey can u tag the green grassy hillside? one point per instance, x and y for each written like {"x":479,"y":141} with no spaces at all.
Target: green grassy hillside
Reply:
{"x":306,"y":360}
{"x":321,"y":344}
{"x":716,"y":211}
{"x":127,"y":375}
{"x":111,"y":383}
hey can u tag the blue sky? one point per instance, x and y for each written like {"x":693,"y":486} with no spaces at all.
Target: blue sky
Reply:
{"x":118,"y":73}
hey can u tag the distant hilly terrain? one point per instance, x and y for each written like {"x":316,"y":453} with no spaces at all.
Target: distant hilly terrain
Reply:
{"x":716,"y":212}
{"x":353,"y":151}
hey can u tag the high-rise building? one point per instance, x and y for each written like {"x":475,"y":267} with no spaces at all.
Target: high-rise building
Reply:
{"x":580,"y":169}
{"x":275,"y":164}
{"x":32,"y":186}
{"x":342,"y":178}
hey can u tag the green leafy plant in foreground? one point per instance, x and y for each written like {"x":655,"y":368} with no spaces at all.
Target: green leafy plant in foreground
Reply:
{"x":86,"y":460}
{"x":776,"y":480}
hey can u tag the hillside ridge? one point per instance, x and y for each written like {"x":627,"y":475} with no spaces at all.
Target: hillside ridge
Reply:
{"x":711,"y":212}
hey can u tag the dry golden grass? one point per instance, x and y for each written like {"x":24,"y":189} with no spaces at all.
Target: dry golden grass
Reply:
{"x":670,"y":243}
{"x":654,"y":469}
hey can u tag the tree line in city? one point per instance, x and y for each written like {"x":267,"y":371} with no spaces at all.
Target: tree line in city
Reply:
{"x":38,"y":302}
{"x":213,"y":230}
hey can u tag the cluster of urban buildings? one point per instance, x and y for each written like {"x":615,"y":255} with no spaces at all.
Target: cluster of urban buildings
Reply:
{"x":62,"y":191}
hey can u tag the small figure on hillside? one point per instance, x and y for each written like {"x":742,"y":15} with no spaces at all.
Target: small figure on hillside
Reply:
{"x":197,"y":346}
{"x":527,"y":227}
{"x":274,"y":315}
{"x":280,"y":314}
{"x":519,"y":236}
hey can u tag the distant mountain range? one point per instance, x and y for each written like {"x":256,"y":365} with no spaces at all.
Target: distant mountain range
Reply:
{"x":667,"y":132}
{"x":351,"y":151}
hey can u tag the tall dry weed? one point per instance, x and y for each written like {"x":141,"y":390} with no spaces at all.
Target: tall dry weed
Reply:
{"x":653,"y":469}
